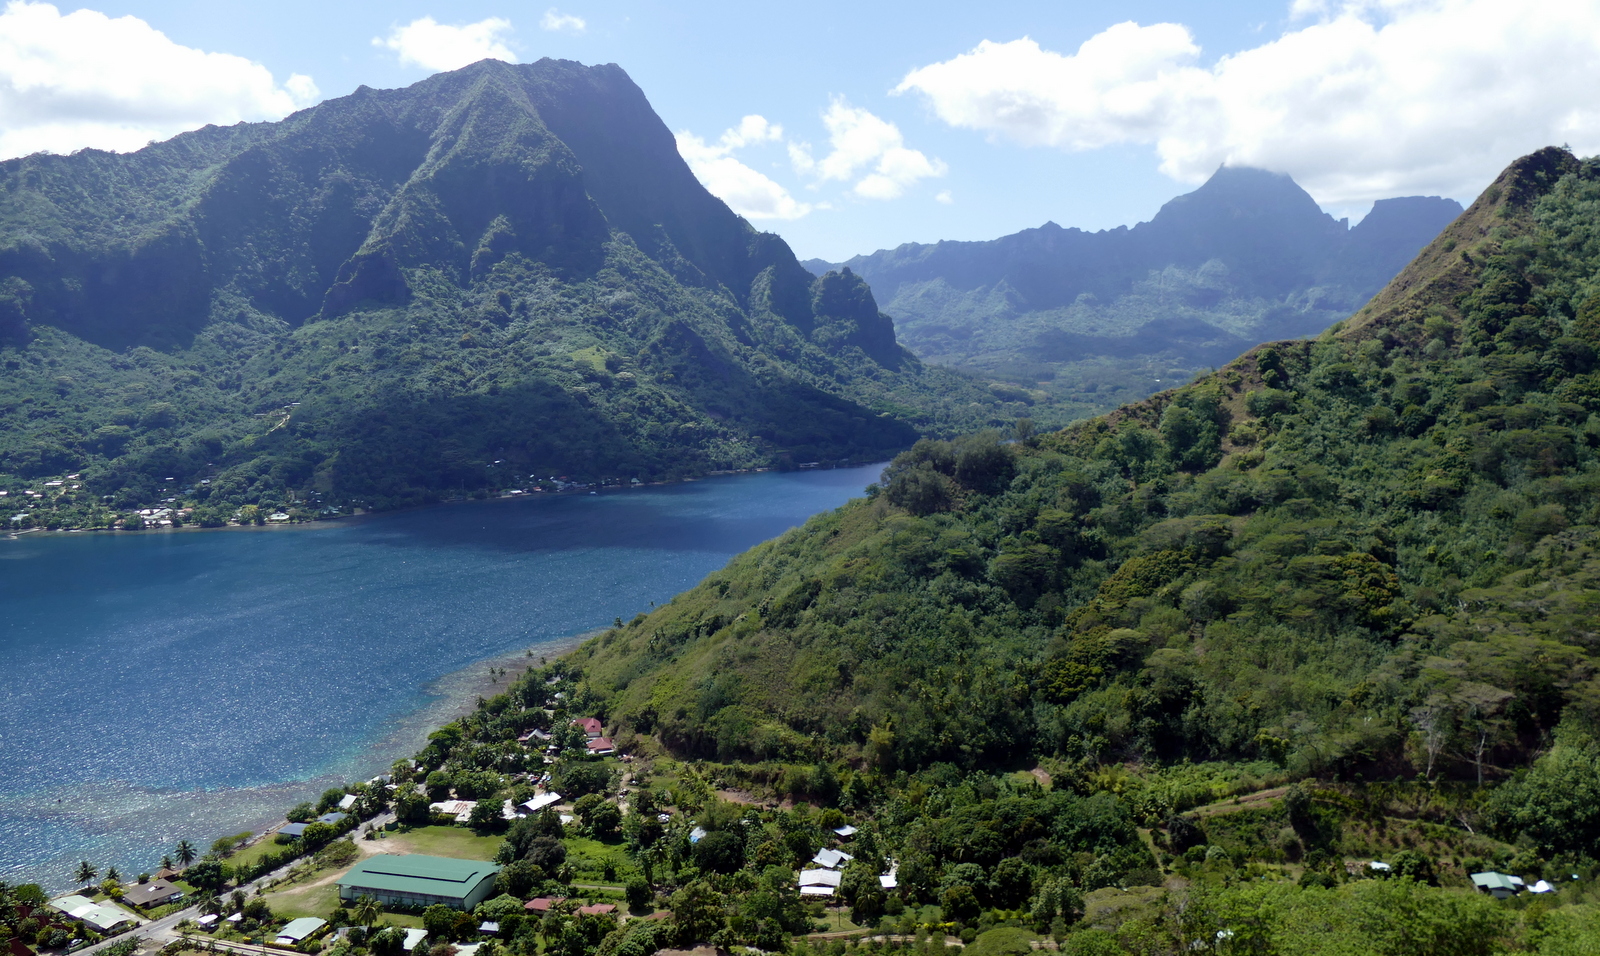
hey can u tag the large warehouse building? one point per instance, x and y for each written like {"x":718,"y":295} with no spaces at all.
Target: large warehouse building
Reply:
{"x":419,"y":881}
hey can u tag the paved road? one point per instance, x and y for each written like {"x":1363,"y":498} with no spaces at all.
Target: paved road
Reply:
{"x":163,"y":930}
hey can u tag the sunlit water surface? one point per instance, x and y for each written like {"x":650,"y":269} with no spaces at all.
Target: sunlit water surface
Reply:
{"x":165,"y":686}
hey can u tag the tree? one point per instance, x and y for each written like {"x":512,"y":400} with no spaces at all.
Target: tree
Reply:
{"x":208,"y":874}
{"x":486,"y":816}
{"x":366,"y":910}
{"x":719,"y":853}
{"x":166,"y":861}
{"x":696,"y":913}
{"x":519,"y":878}
{"x":86,"y":873}
{"x":639,"y":894}
{"x":186,"y":853}
{"x":301,"y":813}
{"x":440,"y":922}
{"x":605,"y":822}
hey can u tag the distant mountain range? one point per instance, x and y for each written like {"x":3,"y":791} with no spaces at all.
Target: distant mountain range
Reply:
{"x":399,"y":295}
{"x":1246,"y":258}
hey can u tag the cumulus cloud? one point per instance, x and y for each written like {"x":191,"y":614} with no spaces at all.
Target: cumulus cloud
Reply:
{"x":426,"y":43}
{"x":87,"y":80}
{"x":1360,"y":100}
{"x":555,"y":21}
{"x":944,"y":197}
{"x":746,"y":191}
{"x":860,"y":141}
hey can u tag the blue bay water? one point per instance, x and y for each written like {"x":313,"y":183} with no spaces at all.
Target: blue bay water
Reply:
{"x":165,"y":686}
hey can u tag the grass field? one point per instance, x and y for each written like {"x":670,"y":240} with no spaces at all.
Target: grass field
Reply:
{"x":251,"y":854}
{"x":457,"y":843}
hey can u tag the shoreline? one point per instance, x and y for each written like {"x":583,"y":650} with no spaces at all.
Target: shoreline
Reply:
{"x":336,"y":520}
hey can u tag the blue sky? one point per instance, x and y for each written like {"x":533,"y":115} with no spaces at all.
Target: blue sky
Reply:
{"x":884,"y":123}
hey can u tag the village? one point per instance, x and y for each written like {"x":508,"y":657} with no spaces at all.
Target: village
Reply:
{"x":361,"y":867}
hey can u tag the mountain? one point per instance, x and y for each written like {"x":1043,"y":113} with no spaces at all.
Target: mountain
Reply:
{"x":1274,"y":662}
{"x":1376,"y":553}
{"x":398,"y":295}
{"x":1246,"y":258}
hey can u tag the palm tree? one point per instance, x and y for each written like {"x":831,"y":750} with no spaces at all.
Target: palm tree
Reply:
{"x":186,"y":852}
{"x":166,"y":862}
{"x":366,"y":911}
{"x":113,"y":875}
{"x":86,"y":873}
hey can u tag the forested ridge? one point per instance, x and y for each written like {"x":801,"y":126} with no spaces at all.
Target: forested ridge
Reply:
{"x":1332,"y":604}
{"x":497,"y":276}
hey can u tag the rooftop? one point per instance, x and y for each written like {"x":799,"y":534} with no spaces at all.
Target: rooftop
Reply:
{"x":414,"y":873}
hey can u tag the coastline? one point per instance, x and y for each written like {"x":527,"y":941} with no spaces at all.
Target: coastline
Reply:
{"x":336,"y":520}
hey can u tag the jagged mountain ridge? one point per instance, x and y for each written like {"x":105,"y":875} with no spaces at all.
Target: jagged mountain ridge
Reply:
{"x":503,"y":262}
{"x":1248,"y":257}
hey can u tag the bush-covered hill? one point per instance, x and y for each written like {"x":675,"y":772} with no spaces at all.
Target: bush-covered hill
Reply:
{"x":1105,"y":317}
{"x":403,"y":294}
{"x":1371,"y":554}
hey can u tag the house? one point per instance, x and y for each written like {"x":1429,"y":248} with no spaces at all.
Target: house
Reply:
{"x":1541,"y":887}
{"x":832,"y":859}
{"x":541,"y":801}
{"x":819,"y":882}
{"x":332,"y":819}
{"x":597,"y":909}
{"x":100,"y":917}
{"x":420,"y":881}
{"x":414,"y":938}
{"x":347,"y":801}
{"x":591,"y":727}
{"x":601,"y":746}
{"x":292,"y":830}
{"x":891,"y":879}
{"x":461,"y":810}
{"x":297,"y":931}
{"x":154,"y":893}
{"x":207,"y":921}
{"x":845,"y":832}
{"x":542,"y":904}
{"x":1497,"y":885}
{"x":488,"y":928}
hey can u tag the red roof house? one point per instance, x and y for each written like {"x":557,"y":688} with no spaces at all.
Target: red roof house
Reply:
{"x":590,"y":726}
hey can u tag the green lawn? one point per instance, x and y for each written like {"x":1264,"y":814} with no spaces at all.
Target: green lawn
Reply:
{"x":251,"y":854}
{"x":456,"y":842}
{"x":589,"y":857}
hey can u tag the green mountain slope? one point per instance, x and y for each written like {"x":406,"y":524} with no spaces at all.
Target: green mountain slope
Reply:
{"x":399,"y":295}
{"x":1107,"y":317}
{"x":1374,"y":553}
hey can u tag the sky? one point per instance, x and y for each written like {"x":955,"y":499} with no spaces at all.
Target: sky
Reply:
{"x":850,"y":127}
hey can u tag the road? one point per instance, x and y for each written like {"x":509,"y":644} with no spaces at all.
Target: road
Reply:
{"x":162,"y":931}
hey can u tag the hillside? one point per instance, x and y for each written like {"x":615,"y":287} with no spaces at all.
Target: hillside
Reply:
{"x":497,"y":274}
{"x":1277,"y":662}
{"x":1106,"y":317}
{"x":1311,"y":557}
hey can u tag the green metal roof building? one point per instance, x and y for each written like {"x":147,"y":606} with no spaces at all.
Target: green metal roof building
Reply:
{"x":419,"y":881}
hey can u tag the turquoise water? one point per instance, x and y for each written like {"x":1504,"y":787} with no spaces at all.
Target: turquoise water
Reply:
{"x":168,"y":686}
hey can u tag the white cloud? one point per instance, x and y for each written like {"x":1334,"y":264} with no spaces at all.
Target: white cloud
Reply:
{"x":943,"y":196}
{"x":859,"y":140}
{"x":1373,"y":98}
{"x":85,"y":79}
{"x":746,"y":191}
{"x":438,"y":46}
{"x":555,"y":21}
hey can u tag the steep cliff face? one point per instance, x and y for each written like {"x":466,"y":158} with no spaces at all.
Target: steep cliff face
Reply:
{"x":504,"y":263}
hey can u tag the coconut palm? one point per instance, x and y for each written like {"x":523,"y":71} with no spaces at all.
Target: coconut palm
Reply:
{"x":186,"y":852}
{"x":113,"y":875}
{"x":366,"y":911}
{"x":86,"y":873}
{"x":166,"y":862}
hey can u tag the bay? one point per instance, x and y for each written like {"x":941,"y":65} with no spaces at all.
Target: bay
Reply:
{"x":159,"y":687}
